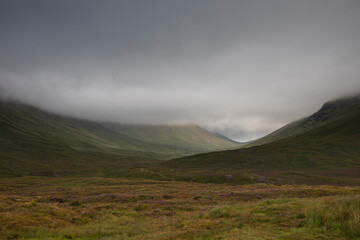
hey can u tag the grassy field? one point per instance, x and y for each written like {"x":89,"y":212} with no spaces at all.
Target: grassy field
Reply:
{"x":108,"y":208}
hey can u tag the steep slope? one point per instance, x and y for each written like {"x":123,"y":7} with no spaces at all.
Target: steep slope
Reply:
{"x":330,"y":145}
{"x":36,"y":142}
{"x":191,"y":138}
{"x":328,"y":112}
{"x":19,"y":119}
{"x":33,"y":142}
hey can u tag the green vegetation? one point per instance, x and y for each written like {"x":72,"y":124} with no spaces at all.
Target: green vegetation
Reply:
{"x":329,"y":111}
{"x":189,"y":137}
{"x":270,"y":203}
{"x":37,"y":143}
{"x":104,"y":208}
{"x":340,"y":215}
{"x":328,"y":153}
{"x":34,"y":142}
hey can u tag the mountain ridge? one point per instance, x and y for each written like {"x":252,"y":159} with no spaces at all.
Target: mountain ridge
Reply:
{"x":328,"y":112}
{"x":325,"y":153}
{"x":190,"y":136}
{"x":33,"y":141}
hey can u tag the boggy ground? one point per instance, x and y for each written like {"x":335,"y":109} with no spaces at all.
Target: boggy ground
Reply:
{"x":115,"y":208}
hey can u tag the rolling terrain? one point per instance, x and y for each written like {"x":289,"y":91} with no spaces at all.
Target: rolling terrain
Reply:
{"x":191,"y":138}
{"x":39,"y":143}
{"x":334,"y":144}
{"x":322,"y":148}
{"x":279,"y":198}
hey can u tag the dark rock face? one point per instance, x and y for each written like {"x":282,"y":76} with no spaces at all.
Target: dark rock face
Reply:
{"x":331,"y":109}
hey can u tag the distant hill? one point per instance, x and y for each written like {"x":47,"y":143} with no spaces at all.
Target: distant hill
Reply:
{"x":329,"y":141}
{"x":35,"y":142}
{"x":190,"y":138}
{"x":328,"y":112}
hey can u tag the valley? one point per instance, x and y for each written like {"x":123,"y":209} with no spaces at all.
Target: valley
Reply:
{"x":35,"y":142}
{"x":66,"y":178}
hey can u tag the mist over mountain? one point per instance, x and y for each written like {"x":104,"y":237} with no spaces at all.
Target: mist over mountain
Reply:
{"x":179,"y":119}
{"x":35,"y":142}
{"x":323,"y":147}
{"x":241,"y":68}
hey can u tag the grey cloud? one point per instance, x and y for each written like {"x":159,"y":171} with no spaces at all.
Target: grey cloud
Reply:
{"x":242,"y":68}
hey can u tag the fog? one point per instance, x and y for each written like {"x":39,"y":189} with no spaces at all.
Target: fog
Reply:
{"x":241,"y":68}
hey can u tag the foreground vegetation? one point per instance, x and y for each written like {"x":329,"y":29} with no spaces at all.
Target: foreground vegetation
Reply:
{"x":270,"y":204}
{"x":108,"y":208}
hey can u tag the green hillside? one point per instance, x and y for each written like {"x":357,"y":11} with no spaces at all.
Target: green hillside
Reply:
{"x":328,"y":112}
{"x":191,"y":138}
{"x":330,"y":149}
{"x":334,"y":144}
{"x":36,"y":142}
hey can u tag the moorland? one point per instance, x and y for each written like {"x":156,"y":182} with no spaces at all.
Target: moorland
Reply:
{"x":67,"y":178}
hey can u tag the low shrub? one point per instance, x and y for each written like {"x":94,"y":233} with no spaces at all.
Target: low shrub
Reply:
{"x":340,"y":215}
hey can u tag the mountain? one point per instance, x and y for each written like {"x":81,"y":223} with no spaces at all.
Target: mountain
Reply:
{"x":191,"y":138}
{"x":328,"y":112}
{"x":328,"y":143}
{"x":36,"y":142}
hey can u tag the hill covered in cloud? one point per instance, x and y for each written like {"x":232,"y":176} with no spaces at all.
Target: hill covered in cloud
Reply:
{"x":241,"y":68}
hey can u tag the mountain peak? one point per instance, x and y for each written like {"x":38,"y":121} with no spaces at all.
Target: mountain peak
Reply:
{"x":334,"y":108}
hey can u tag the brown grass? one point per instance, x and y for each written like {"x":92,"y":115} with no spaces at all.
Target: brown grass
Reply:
{"x":103,"y":208}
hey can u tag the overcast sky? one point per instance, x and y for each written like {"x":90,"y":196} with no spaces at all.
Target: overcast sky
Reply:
{"x":242,"y":68}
